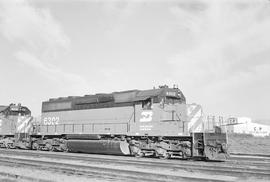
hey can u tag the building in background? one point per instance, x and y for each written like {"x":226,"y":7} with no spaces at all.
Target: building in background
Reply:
{"x":246,"y":126}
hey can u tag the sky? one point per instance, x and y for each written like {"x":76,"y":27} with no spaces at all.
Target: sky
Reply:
{"x":217,"y":52}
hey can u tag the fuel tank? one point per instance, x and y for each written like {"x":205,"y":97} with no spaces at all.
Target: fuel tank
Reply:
{"x":99,"y":147}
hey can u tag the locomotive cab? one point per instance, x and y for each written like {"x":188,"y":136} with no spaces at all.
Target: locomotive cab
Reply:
{"x":161,"y":111}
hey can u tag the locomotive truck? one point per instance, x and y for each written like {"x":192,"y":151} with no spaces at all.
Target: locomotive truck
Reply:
{"x":153,"y":122}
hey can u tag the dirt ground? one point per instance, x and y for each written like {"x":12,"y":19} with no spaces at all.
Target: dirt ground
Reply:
{"x":245,"y":143}
{"x":19,"y":174}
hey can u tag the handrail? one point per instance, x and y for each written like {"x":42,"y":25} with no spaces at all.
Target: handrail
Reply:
{"x":83,"y":125}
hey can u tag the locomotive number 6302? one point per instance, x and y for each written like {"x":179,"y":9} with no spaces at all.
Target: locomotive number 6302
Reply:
{"x":51,"y":121}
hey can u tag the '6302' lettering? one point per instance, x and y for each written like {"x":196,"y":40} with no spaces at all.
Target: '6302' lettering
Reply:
{"x":51,"y":120}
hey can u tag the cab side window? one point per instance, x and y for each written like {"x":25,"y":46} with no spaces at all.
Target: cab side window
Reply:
{"x":147,"y":104}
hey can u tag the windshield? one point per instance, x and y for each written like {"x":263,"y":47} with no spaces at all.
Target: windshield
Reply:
{"x":172,"y":100}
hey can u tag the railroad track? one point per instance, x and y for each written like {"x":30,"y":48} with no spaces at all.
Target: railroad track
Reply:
{"x":250,"y":158}
{"x":241,"y":165}
{"x":241,"y":159}
{"x":100,"y":165}
{"x":119,"y":174}
{"x":249,"y":154}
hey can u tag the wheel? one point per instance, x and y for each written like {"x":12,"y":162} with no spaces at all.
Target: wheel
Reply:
{"x":166,"y":155}
{"x":162,"y":153}
{"x":139,"y":154}
{"x":48,"y":146}
{"x":52,"y":149}
{"x":136,"y":151}
{"x":63,"y":147}
{"x":35,"y":146}
{"x":211,"y":153}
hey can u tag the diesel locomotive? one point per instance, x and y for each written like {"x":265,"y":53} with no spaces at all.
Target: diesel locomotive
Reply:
{"x":154,"y":122}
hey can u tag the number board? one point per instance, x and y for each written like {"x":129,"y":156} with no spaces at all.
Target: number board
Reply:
{"x":173,"y":94}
